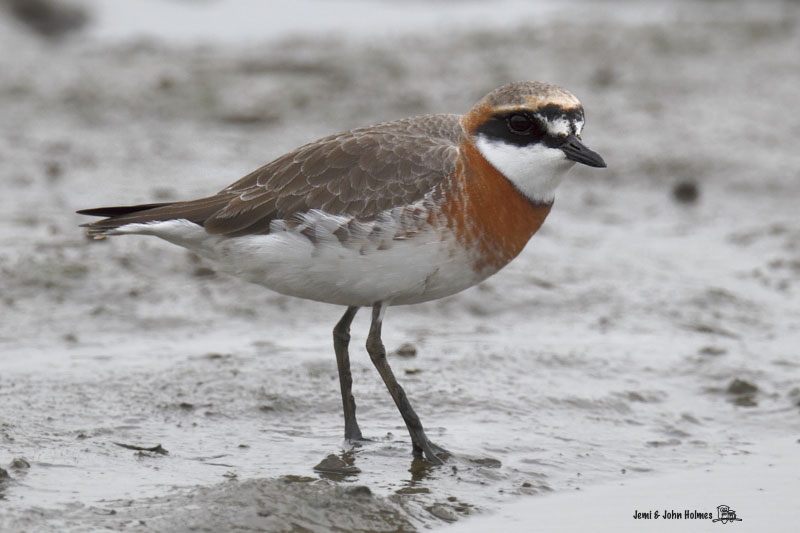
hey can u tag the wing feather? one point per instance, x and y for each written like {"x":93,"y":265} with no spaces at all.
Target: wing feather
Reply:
{"x":360,"y":173}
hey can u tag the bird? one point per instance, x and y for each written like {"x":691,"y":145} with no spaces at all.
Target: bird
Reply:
{"x":397,"y":213}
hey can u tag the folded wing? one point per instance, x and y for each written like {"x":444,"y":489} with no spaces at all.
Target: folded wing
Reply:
{"x":359,"y":173}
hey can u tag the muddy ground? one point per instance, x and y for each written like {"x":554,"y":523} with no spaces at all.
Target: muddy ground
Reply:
{"x":652,"y":326}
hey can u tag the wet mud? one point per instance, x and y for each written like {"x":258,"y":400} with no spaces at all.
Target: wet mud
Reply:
{"x":650,"y":327}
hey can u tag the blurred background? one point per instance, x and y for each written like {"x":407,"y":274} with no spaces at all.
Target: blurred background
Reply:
{"x":651,"y":325}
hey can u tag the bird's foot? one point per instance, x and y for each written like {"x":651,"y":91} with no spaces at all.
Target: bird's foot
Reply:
{"x":354,"y":439}
{"x":430,"y":452}
{"x":357,"y":441}
{"x":352,"y":433}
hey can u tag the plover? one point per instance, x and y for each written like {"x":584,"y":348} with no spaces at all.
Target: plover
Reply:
{"x":392,"y":214}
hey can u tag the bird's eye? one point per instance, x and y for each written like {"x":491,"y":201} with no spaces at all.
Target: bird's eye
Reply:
{"x":519,"y":123}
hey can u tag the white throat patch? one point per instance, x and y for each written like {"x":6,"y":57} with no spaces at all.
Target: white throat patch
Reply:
{"x":535,"y":170}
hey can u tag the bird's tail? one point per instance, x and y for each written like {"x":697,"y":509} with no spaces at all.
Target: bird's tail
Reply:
{"x":196,"y":211}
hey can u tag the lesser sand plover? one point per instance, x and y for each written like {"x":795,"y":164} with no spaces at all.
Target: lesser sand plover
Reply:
{"x":397,"y":213}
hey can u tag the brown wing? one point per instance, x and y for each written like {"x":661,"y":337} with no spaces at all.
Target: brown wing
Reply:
{"x":359,"y":173}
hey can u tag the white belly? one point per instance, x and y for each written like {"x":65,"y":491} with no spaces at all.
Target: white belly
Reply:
{"x":359,"y":272}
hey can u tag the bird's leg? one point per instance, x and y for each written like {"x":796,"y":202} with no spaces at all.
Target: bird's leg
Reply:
{"x":377,"y":353}
{"x":341,"y":339}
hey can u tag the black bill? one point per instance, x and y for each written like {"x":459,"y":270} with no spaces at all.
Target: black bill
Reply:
{"x":578,"y":152}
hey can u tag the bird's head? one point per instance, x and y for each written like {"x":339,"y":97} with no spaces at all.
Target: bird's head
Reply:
{"x":531,"y":133}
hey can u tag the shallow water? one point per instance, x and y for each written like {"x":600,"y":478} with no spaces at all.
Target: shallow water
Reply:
{"x":636,"y":336}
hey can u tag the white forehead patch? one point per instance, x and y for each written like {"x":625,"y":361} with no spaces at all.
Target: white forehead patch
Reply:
{"x":559,"y":127}
{"x":535,"y":169}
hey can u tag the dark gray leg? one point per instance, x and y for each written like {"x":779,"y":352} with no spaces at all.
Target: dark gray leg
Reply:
{"x":378,"y":355}
{"x":341,"y":339}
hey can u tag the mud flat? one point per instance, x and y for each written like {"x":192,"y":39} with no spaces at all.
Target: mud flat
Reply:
{"x":646,"y":336}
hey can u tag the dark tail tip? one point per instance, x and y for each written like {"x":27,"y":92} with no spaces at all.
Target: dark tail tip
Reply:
{"x":119,"y":210}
